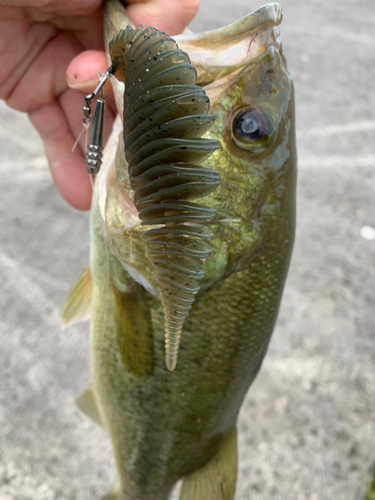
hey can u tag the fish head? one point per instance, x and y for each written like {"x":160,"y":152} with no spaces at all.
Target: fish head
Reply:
{"x":243,"y":70}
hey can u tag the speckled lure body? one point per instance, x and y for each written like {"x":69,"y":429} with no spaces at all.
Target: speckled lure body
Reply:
{"x":165,"y":425}
{"x":165,"y":115}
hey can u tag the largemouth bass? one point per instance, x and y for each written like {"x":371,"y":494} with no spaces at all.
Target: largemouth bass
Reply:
{"x":166,"y":425}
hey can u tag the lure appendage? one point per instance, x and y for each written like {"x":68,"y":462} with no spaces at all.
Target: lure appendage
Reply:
{"x":165,"y":116}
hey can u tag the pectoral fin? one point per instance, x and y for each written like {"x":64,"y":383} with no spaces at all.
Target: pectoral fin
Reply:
{"x":217,"y":479}
{"x":87,"y":404}
{"x":134,"y":330}
{"x":114,"y":495}
{"x":77,"y":305}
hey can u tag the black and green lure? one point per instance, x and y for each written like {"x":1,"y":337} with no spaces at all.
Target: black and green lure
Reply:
{"x":165,"y":116}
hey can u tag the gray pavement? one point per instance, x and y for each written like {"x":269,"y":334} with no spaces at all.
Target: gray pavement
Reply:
{"x":307,"y":427}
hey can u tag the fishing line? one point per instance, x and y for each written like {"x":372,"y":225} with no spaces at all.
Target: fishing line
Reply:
{"x":85,"y":128}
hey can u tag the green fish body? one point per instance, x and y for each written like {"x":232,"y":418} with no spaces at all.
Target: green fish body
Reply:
{"x":167,"y":425}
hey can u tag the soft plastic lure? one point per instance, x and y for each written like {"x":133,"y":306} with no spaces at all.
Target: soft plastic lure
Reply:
{"x":165,"y":116}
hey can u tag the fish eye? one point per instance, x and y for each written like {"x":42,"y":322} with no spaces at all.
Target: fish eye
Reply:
{"x":252,"y":129}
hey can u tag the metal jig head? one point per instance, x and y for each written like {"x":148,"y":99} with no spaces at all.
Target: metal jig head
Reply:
{"x":94,"y":153}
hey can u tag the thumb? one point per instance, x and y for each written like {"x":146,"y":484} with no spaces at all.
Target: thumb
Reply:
{"x":83,"y":71}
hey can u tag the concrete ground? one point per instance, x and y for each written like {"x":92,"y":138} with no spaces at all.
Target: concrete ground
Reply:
{"x":307,"y":427}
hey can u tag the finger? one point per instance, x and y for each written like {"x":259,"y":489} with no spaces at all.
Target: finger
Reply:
{"x":82,"y":72}
{"x":44,"y":78}
{"x":67,"y":167}
{"x":171,"y":16}
{"x":33,"y":63}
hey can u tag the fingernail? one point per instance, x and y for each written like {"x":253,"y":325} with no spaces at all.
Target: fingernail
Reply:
{"x":83,"y":85}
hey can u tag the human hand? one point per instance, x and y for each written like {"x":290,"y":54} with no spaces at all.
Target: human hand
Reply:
{"x":48,"y":50}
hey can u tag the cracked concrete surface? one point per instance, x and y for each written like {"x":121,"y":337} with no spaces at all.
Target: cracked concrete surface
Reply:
{"x":307,"y":427}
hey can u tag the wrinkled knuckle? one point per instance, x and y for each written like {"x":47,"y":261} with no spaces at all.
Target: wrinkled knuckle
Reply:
{"x":190,"y":6}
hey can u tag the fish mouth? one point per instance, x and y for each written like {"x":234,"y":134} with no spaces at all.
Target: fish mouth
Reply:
{"x":218,"y":54}
{"x":230,"y":45}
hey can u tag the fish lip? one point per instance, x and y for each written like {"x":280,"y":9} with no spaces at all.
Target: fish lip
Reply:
{"x":265,"y":17}
{"x":219,"y":53}
{"x":115,"y":19}
{"x":270,"y":14}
